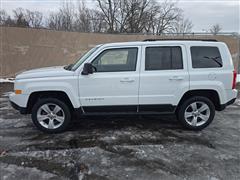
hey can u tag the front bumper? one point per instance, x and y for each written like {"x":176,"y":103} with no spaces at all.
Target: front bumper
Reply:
{"x":22,"y":110}
{"x":19,"y":102}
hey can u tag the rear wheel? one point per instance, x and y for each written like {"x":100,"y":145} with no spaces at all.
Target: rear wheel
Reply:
{"x":51,"y":115}
{"x":196,"y":113}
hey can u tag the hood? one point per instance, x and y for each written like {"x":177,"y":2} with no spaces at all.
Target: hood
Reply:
{"x":45,"y":72}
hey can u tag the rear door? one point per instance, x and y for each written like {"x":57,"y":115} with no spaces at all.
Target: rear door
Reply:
{"x":164,"y":77}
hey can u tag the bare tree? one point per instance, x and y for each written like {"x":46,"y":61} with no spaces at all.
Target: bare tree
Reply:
{"x":23,"y":18}
{"x":34,"y":18}
{"x":167,"y":16}
{"x":151,"y":23}
{"x":97,"y":22}
{"x":63,"y":19}
{"x":9,"y":22}
{"x":130,"y":16}
{"x":114,"y":16}
{"x":182,"y":26}
{"x":52,"y":21}
{"x":20,"y":18}
{"x":67,"y":15}
{"x":3,"y":17}
{"x":83,"y":21}
{"x":137,"y":15}
{"x":110,"y":9}
{"x":215,"y":29}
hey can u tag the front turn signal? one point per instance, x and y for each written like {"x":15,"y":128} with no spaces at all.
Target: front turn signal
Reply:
{"x":18,"y":91}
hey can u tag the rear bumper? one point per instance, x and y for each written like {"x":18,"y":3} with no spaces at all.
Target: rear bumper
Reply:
{"x":230,"y":97}
{"x":223,"y":106}
{"x":22,"y":110}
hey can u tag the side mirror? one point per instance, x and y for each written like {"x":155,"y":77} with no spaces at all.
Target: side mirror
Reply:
{"x":87,"y":69}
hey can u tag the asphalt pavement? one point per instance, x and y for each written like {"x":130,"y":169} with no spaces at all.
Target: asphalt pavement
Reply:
{"x":126,"y":147}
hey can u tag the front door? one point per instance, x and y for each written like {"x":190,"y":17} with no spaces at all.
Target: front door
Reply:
{"x":114,"y":85}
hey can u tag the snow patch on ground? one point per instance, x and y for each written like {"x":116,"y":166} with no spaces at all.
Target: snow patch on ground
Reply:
{"x":237,"y":102}
{"x":10,"y":171}
{"x":7,"y":80}
{"x":6,"y":94}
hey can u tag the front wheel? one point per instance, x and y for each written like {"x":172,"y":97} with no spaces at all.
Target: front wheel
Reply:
{"x":51,"y":115}
{"x":196,"y":113}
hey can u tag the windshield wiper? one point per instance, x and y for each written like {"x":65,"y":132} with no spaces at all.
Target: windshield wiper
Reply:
{"x":214,"y":59}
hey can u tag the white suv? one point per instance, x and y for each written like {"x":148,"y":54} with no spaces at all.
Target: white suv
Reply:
{"x":191,"y":78}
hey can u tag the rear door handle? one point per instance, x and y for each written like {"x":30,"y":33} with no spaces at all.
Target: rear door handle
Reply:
{"x":176,"y":78}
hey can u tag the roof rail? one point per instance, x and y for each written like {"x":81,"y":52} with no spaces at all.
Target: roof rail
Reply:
{"x":211,"y":40}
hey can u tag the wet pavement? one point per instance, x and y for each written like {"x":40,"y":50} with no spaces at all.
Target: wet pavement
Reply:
{"x":130,"y":147}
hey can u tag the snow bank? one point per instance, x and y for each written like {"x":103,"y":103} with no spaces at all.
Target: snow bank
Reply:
{"x":6,"y":80}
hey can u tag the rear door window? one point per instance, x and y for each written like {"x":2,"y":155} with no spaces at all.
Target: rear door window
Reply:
{"x":205,"y":57}
{"x":163,"y":58}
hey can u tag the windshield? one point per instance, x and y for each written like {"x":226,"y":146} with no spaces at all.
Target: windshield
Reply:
{"x":83,"y":58}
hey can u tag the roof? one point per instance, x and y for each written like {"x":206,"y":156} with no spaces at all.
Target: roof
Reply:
{"x":177,"y":39}
{"x":165,"y":42}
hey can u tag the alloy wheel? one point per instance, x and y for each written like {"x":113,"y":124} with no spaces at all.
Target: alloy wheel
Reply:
{"x":50,"y":116}
{"x":197,"y":113}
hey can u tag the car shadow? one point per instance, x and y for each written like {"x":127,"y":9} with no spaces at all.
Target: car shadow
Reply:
{"x":108,"y":131}
{"x":124,"y":121}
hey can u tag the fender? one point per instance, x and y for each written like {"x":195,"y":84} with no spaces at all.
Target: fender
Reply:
{"x":215,"y":85}
{"x":67,"y":84}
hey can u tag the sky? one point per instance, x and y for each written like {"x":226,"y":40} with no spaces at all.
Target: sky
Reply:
{"x":202,"y":13}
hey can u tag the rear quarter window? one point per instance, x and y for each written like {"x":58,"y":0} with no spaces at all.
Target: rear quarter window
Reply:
{"x":206,"y":57}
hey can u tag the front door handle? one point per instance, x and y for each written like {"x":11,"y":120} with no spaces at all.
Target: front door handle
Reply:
{"x":176,"y":78}
{"x":127,"y":80}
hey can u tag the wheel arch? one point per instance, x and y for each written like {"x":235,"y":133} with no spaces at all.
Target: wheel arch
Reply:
{"x":60,"y":95}
{"x":212,"y":95}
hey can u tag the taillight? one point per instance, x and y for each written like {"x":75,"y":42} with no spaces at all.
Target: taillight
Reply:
{"x":234,"y":83}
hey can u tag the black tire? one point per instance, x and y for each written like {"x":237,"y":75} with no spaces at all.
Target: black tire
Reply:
{"x":64,"y":108}
{"x":182,"y":108}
